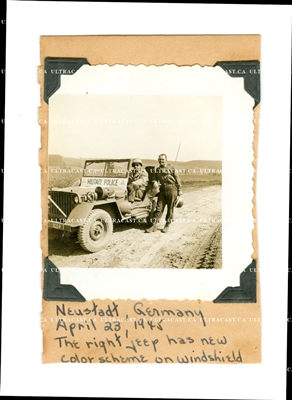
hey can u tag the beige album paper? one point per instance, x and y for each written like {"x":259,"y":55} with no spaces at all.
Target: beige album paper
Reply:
{"x":148,"y":160}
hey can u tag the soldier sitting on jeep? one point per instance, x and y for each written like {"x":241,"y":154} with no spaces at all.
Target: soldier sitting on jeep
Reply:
{"x":137,"y":181}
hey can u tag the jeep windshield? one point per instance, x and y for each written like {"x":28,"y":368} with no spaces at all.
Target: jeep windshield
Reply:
{"x":106,"y":168}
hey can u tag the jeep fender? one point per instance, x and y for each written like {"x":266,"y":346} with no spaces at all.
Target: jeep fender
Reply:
{"x":111,"y":207}
{"x":80,"y":213}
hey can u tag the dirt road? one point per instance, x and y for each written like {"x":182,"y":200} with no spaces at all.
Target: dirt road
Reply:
{"x":193,"y":241}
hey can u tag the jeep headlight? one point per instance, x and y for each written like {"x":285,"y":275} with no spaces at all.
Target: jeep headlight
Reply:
{"x":91,"y":196}
{"x":76,"y":199}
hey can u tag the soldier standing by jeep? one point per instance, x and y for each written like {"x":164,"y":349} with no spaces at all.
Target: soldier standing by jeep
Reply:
{"x":170,"y":188}
{"x":137,"y":181}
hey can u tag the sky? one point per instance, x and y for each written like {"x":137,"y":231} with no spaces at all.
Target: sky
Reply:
{"x":106,"y":126}
{"x":141,"y":111}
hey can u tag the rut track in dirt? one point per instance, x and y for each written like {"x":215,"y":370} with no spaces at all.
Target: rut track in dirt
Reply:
{"x":209,"y":254}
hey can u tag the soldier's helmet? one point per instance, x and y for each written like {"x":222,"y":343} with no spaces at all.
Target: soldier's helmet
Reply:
{"x":137,"y":161}
{"x":179,"y":202}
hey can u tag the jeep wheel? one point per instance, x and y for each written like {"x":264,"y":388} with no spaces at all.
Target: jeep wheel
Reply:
{"x":96,"y":231}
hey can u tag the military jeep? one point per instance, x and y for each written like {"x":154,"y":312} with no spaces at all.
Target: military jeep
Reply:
{"x":92,"y":204}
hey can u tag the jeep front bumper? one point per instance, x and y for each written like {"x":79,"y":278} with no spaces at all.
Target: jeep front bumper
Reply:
{"x":61,"y":226}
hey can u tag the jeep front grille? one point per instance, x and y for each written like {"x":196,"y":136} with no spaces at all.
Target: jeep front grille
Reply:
{"x":64,"y":200}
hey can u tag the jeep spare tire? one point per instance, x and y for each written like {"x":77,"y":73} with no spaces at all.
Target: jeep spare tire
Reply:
{"x":96,"y":231}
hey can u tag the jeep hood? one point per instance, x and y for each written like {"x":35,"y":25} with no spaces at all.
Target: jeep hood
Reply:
{"x":74,"y":189}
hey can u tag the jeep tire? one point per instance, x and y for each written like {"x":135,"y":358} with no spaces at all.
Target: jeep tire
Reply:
{"x":96,"y":231}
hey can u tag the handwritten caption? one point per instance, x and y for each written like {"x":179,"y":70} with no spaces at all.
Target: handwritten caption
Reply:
{"x":95,"y":334}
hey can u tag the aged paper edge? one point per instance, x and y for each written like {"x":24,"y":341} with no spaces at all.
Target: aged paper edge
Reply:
{"x":49,"y":49}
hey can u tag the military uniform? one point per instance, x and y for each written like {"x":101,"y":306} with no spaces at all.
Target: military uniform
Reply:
{"x":169,"y":187}
{"x":137,"y":183}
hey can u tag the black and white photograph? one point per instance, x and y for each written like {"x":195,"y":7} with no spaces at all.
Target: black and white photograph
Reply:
{"x":143,"y":162}
{"x":121,"y":166}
